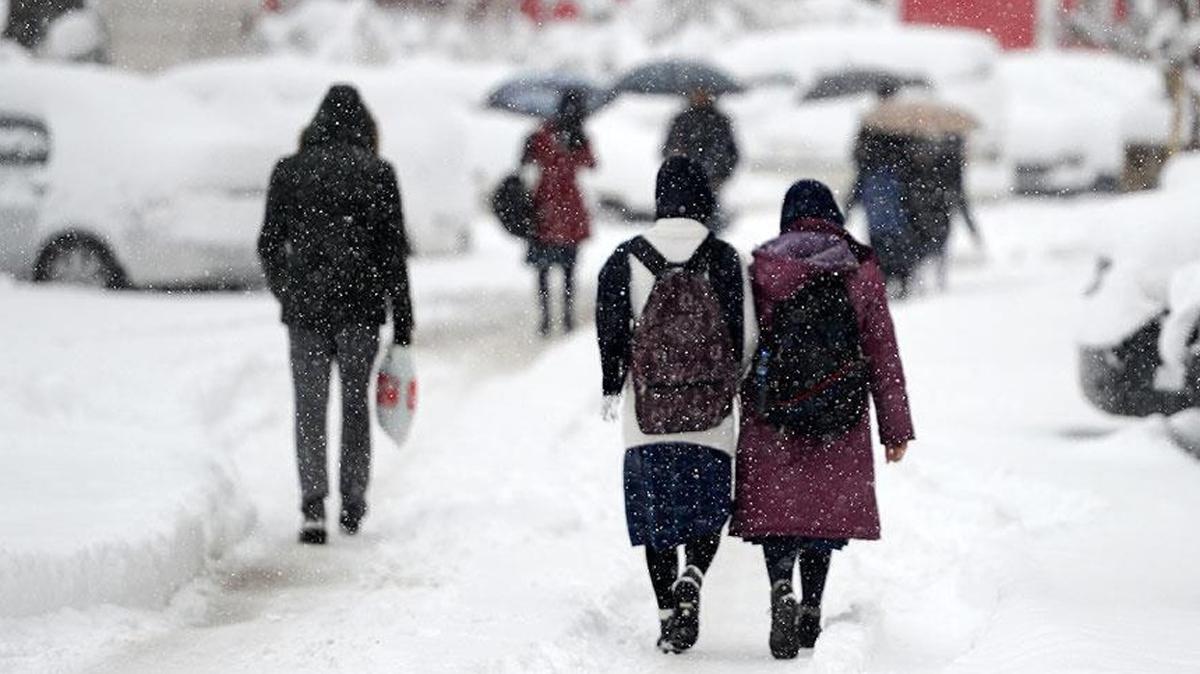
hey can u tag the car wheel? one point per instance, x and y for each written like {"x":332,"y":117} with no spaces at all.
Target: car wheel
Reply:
{"x":80,"y":260}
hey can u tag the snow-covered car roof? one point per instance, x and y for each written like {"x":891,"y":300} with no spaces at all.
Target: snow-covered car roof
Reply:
{"x":1108,"y":89}
{"x":941,"y":54}
{"x":118,"y":139}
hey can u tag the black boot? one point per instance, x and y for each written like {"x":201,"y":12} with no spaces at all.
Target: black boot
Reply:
{"x":685,"y":627}
{"x":785,"y":641}
{"x":312,"y":531}
{"x":351,"y":518}
{"x":808,"y":626}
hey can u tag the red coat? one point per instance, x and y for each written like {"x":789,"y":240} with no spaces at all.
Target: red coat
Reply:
{"x":562,"y":215}
{"x":791,"y":485}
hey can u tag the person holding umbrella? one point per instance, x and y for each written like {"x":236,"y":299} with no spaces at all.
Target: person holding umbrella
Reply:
{"x":704,"y":134}
{"x":559,"y":149}
{"x":909,"y":155}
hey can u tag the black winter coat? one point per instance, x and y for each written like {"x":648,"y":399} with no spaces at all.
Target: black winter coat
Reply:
{"x":333,"y":244}
{"x":704,"y":135}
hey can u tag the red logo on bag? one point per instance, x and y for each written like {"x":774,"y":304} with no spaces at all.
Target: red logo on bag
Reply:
{"x":412,"y":395}
{"x":387,"y":391}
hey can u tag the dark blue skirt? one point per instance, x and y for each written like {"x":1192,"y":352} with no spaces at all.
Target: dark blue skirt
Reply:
{"x":676,"y":492}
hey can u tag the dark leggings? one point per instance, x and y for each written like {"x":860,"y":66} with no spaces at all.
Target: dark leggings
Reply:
{"x":664,"y":565}
{"x":782,"y":554}
{"x":568,"y":295}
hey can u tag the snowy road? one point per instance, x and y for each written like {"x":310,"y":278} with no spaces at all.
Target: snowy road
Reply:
{"x":1025,"y":533}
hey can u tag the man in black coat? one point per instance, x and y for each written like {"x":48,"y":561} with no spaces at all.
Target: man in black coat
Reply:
{"x":334,"y":251}
{"x":704,"y":134}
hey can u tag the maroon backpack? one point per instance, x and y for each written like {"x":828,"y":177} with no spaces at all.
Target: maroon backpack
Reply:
{"x":685,"y":372}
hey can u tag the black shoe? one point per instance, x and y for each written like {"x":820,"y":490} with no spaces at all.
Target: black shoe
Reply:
{"x":351,"y":519}
{"x":312,"y":532}
{"x":664,"y":634}
{"x":685,"y":626}
{"x":785,"y":641}
{"x":808,"y":626}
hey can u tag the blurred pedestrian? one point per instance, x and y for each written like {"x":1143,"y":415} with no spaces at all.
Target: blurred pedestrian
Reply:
{"x":674,"y":319}
{"x":334,"y":249}
{"x":704,"y":134}
{"x":559,"y":149}
{"x":881,"y":187}
{"x":805,"y":474}
{"x":936,"y":195}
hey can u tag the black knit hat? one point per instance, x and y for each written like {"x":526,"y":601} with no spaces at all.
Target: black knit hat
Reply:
{"x":683,"y":191}
{"x":810,"y":199}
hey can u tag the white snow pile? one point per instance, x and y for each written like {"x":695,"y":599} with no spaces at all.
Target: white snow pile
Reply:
{"x":1148,"y":238}
{"x":73,"y":36}
{"x":115,"y":490}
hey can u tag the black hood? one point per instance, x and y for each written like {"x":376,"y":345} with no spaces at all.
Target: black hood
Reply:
{"x":342,"y":118}
{"x":810,"y":200}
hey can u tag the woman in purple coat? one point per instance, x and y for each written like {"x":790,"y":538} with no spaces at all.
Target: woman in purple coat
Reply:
{"x":803,"y":497}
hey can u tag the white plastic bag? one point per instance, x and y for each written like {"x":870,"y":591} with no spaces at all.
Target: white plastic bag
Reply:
{"x":396,"y":393}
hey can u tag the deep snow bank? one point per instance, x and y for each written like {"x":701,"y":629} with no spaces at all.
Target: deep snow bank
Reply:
{"x":109,"y":498}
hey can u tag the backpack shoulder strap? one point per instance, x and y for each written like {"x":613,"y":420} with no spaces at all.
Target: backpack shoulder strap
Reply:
{"x":648,"y":255}
{"x":724,"y":268}
{"x":703,"y":257}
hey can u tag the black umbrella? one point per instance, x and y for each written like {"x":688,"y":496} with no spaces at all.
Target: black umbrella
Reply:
{"x":860,"y":81}
{"x":677,"y":78}
{"x":538,"y":95}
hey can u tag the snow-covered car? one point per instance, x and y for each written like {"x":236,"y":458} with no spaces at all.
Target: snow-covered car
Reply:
{"x":1138,"y":343}
{"x":420,"y":108}
{"x":154,"y":183}
{"x":1071,"y":115}
{"x":781,"y":131}
{"x":124,"y":183}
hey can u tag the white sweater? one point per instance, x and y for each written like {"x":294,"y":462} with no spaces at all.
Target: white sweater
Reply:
{"x":677,"y":239}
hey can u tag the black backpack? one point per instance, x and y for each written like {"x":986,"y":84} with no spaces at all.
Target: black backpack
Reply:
{"x":810,"y":375}
{"x":513,"y":206}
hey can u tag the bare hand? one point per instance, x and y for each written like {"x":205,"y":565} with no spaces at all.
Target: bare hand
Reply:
{"x":895,"y":453}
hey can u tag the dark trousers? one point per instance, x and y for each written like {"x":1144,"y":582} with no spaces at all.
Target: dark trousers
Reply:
{"x":568,"y":270}
{"x":313,"y":353}
{"x":663,"y":564}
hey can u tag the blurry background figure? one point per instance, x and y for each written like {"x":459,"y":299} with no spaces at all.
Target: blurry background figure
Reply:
{"x":334,"y":249}
{"x":559,"y":149}
{"x":910,"y":155}
{"x":882,"y":161}
{"x":704,"y":134}
{"x":936,"y":195}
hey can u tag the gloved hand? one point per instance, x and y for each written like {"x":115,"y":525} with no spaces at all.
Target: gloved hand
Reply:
{"x":610,"y":408}
{"x":401,"y":337}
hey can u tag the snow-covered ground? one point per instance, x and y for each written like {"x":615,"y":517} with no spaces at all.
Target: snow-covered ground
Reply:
{"x":1026,"y":532}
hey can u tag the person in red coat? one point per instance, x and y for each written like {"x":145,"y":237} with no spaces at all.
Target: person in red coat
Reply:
{"x":802,"y":497}
{"x":560,"y":149}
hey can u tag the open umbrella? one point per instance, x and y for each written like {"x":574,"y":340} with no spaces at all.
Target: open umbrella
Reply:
{"x":856,"y":81}
{"x":537,"y":95}
{"x":676,"y":78}
{"x":920,"y":119}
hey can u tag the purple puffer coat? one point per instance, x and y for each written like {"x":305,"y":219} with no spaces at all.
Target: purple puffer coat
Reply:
{"x":791,"y":485}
